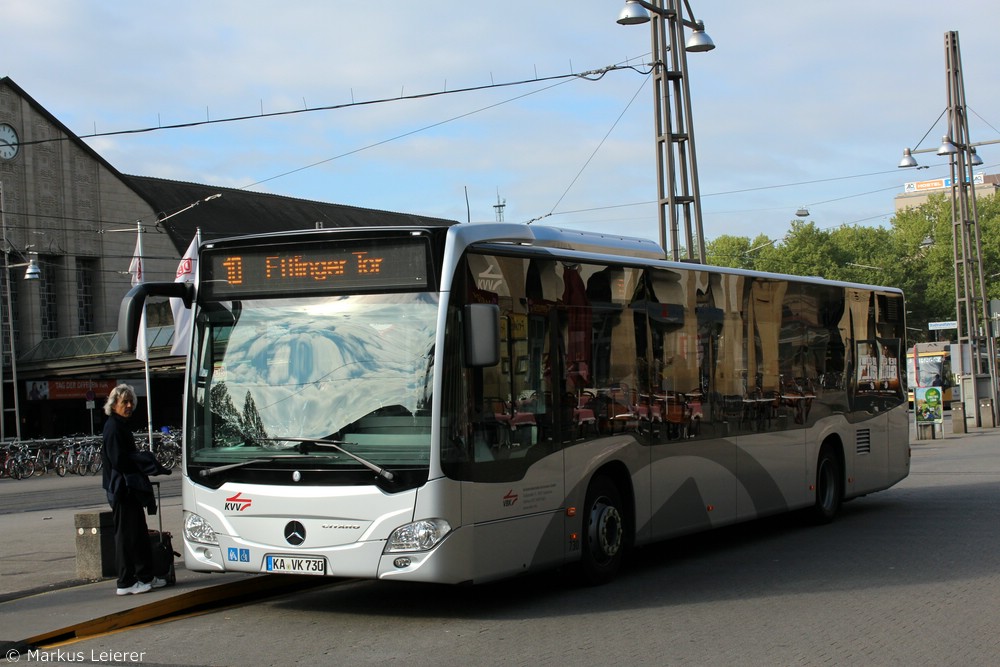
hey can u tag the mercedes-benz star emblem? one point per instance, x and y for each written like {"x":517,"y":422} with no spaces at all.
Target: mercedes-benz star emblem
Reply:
{"x":295,"y":533}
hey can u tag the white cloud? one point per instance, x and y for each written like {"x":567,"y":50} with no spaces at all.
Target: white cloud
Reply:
{"x":795,"y":93}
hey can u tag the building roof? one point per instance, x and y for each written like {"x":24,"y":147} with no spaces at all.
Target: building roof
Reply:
{"x":236,"y":212}
{"x":66,"y":133}
{"x":239,"y":212}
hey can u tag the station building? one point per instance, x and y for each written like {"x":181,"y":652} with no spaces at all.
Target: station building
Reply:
{"x":916,"y":193}
{"x":68,"y":211}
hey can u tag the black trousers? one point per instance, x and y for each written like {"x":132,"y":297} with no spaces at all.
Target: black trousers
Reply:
{"x":133,"y":553}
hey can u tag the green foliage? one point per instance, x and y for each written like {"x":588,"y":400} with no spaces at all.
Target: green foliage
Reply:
{"x":730,"y":251}
{"x":916,"y":254}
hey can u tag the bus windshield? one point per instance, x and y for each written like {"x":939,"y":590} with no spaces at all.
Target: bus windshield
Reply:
{"x":305,"y":379}
{"x":931,"y":371}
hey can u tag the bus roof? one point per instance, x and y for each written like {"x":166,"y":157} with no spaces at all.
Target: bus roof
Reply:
{"x":555,"y":237}
{"x":580,"y":244}
{"x":594,"y":244}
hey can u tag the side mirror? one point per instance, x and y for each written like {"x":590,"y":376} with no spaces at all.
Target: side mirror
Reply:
{"x":130,"y":312}
{"x":482,"y":334}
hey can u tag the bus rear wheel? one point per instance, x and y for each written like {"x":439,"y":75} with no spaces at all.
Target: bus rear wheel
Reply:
{"x":603,"y":532}
{"x":829,"y":487}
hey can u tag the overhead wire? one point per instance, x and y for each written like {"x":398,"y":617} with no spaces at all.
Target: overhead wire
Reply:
{"x":598,"y":147}
{"x":931,"y":128}
{"x":983,"y":119}
{"x":590,"y":75}
{"x":404,"y":134}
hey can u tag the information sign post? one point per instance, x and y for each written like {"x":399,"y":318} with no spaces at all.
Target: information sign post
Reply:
{"x":928,"y":411}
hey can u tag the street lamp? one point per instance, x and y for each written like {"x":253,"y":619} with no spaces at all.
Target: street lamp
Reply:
{"x":947,"y":147}
{"x":33,"y":272}
{"x":676,"y":164}
{"x":971,"y":307}
{"x":189,"y":207}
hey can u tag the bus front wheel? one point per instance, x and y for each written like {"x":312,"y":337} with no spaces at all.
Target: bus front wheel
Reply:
{"x":603,"y":532}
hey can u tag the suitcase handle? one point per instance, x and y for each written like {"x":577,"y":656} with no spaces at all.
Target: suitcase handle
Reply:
{"x":159,"y":506}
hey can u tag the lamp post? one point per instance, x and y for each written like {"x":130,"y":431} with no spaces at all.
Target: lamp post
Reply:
{"x":138,"y":257}
{"x":678,"y":193}
{"x":971,"y":307}
{"x":33,"y":273}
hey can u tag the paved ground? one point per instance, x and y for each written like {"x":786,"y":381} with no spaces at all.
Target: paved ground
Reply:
{"x":918,"y":592}
{"x":39,"y":547}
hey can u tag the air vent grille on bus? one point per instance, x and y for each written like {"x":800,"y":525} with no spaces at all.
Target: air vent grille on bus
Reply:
{"x":863,"y":440}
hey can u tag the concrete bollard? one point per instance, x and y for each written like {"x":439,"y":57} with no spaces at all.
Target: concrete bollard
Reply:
{"x":986,"y":412}
{"x":958,"y":417}
{"x":95,"y":545}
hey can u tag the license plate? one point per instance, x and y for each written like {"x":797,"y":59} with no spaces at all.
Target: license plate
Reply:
{"x":295,"y":564}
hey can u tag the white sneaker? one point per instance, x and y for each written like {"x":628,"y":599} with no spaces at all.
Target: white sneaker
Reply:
{"x":158,"y":583}
{"x":135,"y":589}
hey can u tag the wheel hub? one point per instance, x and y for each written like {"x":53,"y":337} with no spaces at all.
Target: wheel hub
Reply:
{"x":607,"y":530}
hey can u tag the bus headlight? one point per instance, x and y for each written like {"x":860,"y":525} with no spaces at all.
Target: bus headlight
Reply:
{"x":197,"y":529}
{"x":418,"y":536}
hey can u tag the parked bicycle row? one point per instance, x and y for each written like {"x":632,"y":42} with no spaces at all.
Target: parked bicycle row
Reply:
{"x":77,"y":454}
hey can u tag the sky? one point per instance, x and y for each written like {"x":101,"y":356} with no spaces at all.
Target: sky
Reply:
{"x":801,"y":104}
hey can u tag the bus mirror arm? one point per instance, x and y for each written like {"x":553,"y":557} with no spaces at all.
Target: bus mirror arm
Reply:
{"x":133,"y":303}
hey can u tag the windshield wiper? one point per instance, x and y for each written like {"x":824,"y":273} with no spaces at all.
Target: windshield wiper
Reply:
{"x":205,"y":472}
{"x":336,"y":444}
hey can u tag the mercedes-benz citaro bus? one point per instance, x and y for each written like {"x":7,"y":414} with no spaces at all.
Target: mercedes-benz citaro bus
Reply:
{"x":466,"y":403}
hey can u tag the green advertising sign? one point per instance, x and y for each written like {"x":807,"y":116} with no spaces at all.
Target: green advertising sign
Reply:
{"x":928,"y":407}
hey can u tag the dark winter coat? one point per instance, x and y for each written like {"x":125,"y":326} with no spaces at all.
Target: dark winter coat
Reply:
{"x":126,"y":470}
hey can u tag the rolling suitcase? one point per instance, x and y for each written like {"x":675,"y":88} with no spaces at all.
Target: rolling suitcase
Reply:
{"x":162,"y":547}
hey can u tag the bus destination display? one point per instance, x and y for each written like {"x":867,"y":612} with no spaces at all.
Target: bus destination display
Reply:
{"x":340,"y":267}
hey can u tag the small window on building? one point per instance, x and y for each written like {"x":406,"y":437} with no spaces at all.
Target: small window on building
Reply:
{"x":47,"y":295}
{"x":85,"y":269}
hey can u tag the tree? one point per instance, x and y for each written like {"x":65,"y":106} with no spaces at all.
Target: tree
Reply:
{"x":915,"y":253}
{"x":732,"y":251}
{"x":804,"y":251}
{"x":867,"y":253}
{"x":253,"y":426}
{"x":924,"y":240}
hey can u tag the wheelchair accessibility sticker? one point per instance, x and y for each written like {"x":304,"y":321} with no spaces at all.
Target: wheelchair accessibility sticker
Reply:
{"x":238,"y":555}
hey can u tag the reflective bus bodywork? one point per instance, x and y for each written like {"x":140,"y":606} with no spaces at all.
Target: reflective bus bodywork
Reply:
{"x":468,"y":403}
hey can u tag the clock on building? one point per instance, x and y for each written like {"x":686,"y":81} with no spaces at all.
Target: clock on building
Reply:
{"x":9,"y":142}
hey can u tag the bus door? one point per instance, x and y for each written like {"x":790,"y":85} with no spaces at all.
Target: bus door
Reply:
{"x":516,"y":488}
{"x":778,"y":397}
{"x":693,"y":452}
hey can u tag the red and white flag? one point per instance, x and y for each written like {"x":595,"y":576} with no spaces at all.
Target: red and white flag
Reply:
{"x":186,"y":272}
{"x":138,"y":275}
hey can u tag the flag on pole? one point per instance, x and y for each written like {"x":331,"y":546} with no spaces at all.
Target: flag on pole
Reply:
{"x":186,"y":272}
{"x":141,"y":349}
{"x":136,"y":269}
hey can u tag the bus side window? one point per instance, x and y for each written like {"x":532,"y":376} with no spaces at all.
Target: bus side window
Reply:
{"x":490,"y":429}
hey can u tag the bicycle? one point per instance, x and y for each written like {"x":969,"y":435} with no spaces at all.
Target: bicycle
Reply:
{"x":168,"y":452}
{"x":18,"y":464}
{"x":59,"y":463}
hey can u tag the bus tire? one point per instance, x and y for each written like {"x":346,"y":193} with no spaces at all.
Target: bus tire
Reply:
{"x":829,"y":487}
{"x":603,"y":532}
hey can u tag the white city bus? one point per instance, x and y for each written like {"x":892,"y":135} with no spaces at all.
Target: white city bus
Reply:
{"x":466,"y":403}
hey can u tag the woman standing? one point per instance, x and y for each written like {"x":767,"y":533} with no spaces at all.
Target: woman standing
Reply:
{"x":130,"y":493}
